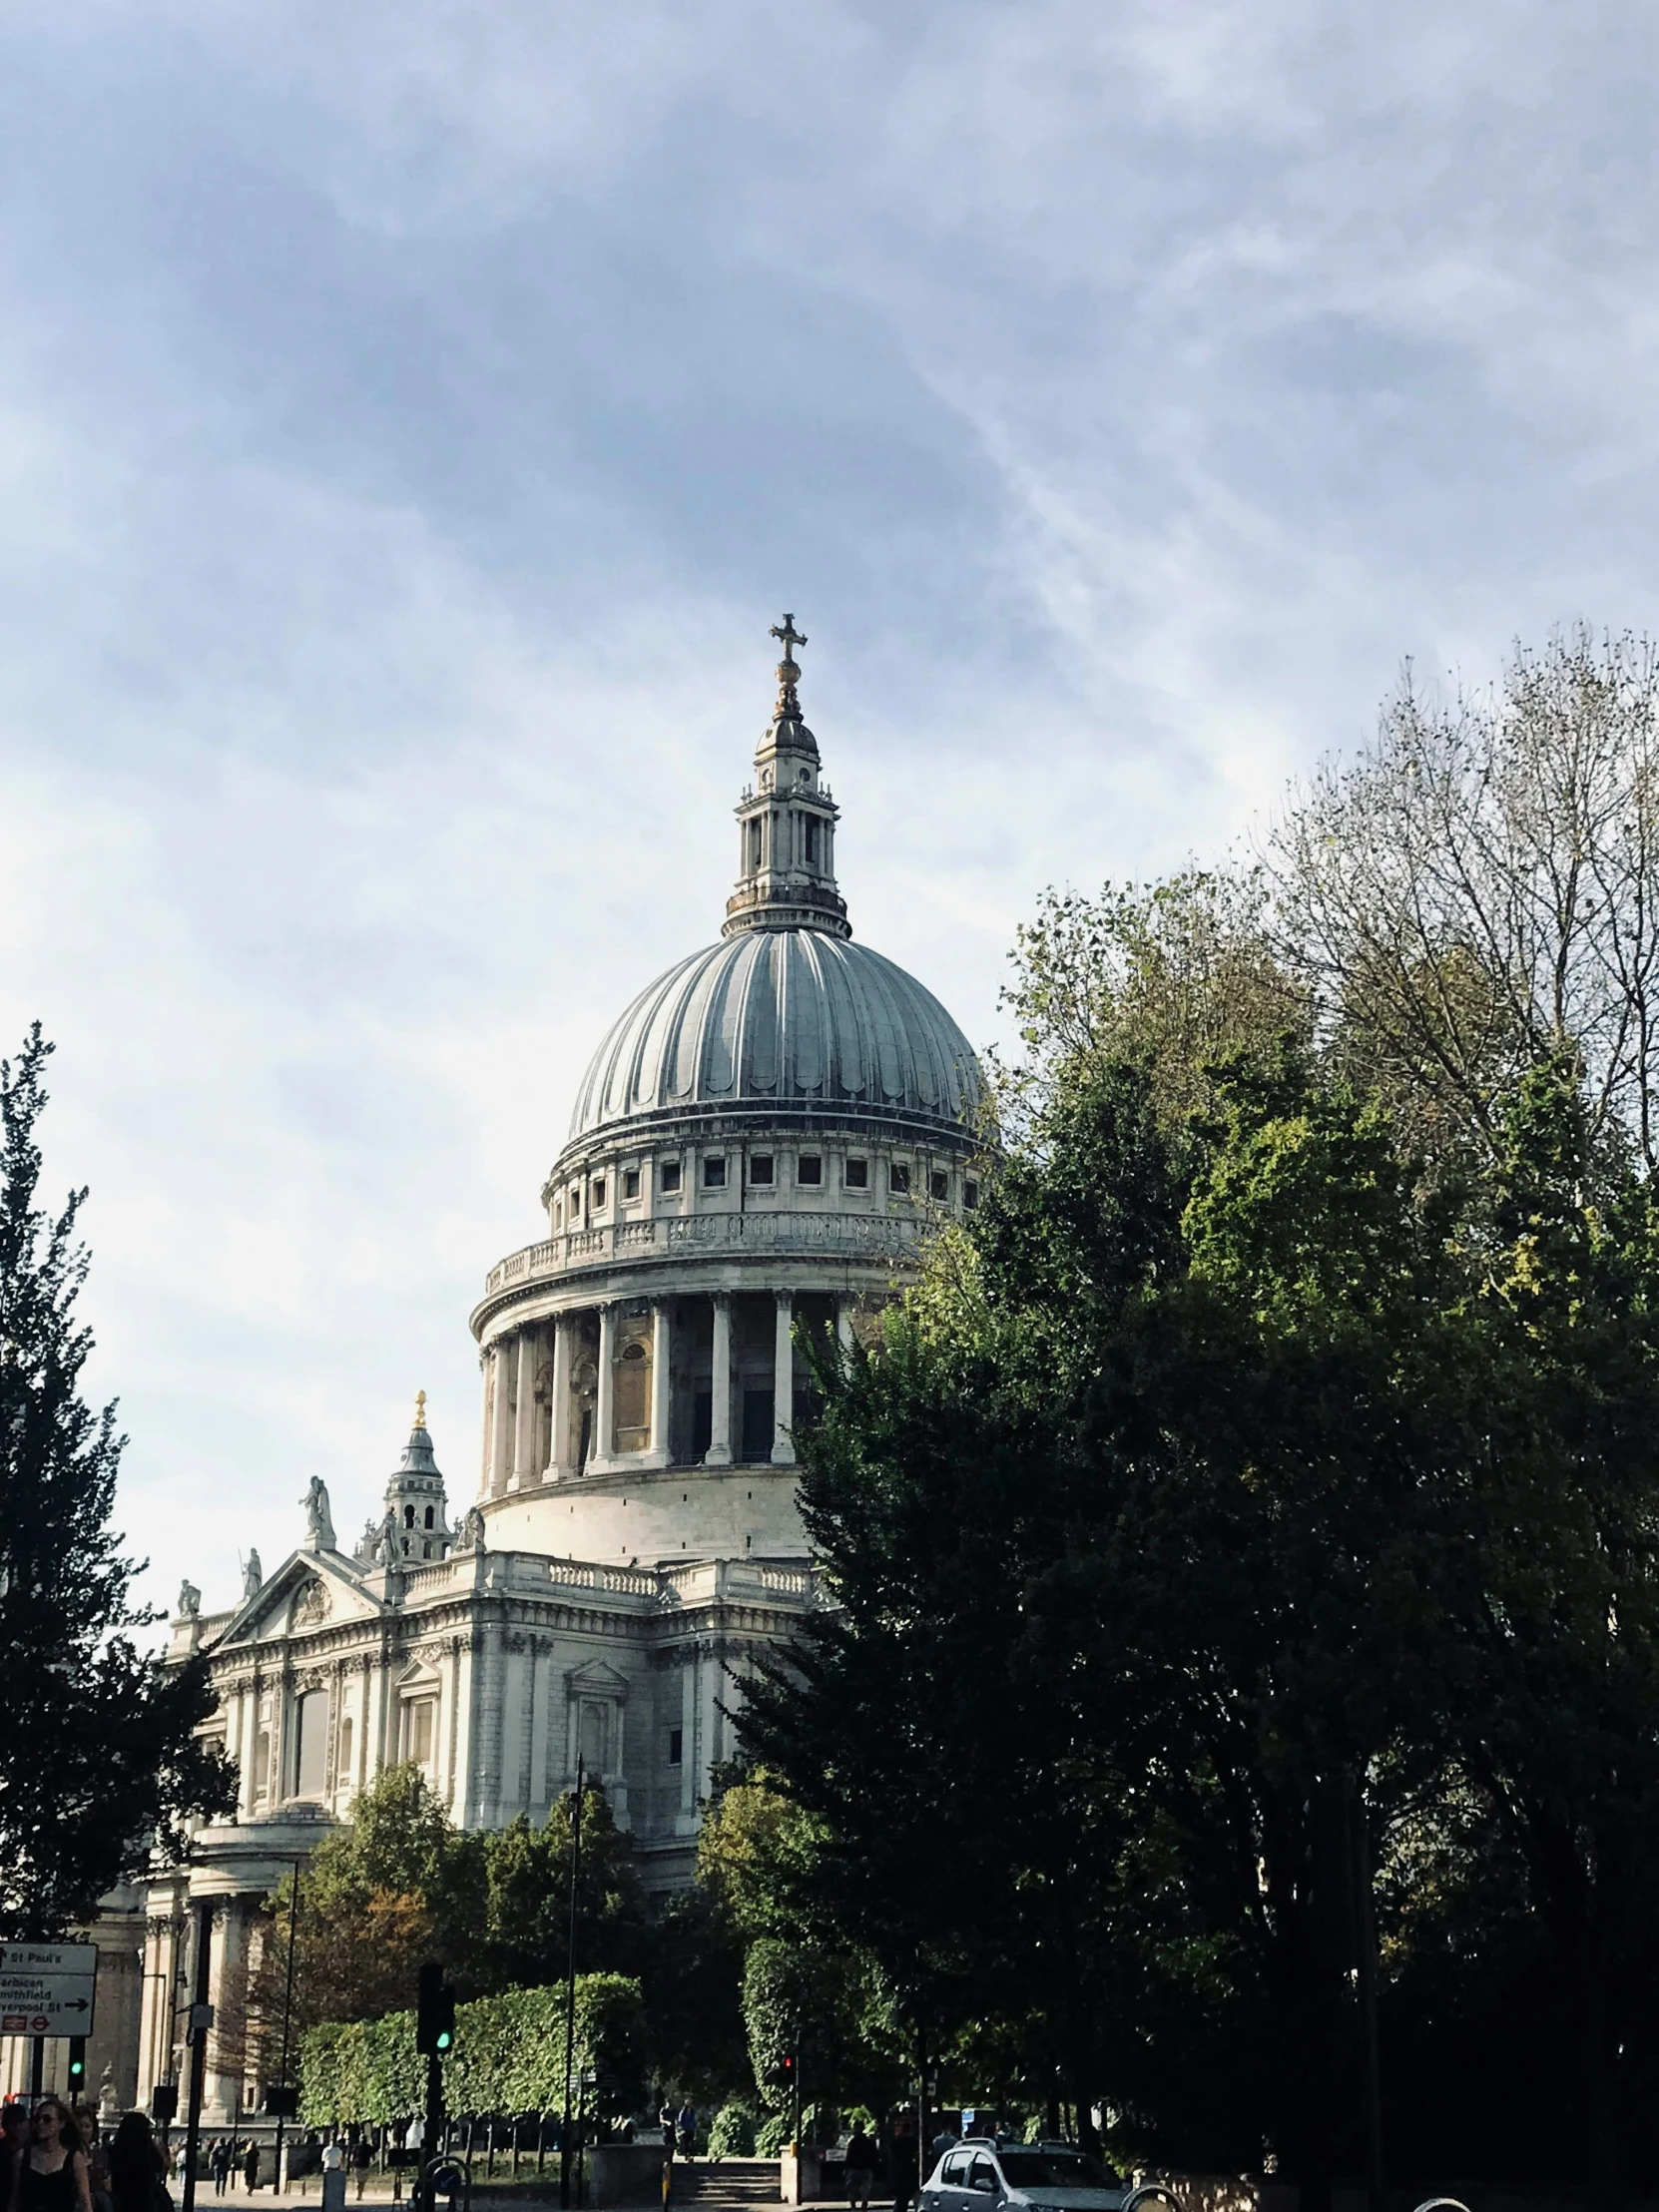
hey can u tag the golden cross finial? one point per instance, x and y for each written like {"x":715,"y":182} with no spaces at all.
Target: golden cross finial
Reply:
{"x":421,"y":1409}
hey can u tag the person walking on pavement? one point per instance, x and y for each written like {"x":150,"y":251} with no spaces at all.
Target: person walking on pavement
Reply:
{"x":251,"y":2168}
{"x":362,"y":2157}
{"x":218,"y":2160}
{"x":50,"y":2172}
{"x":97,"y":2158}
{"x":861,"y":2169}
{"x":904,"y":2160}
{"x":333,"y":2178}
{"x":138,"y":2171}
{"x":687,"y":2129}
{"x":665,"y":2119}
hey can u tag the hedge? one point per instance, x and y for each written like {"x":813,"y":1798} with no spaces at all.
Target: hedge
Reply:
{"x":509,"y":2055}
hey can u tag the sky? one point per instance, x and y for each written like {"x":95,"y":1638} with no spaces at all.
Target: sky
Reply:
{"x":412,"y":417}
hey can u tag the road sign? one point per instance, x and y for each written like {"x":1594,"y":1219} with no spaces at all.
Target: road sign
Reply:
{"x":47,"y":1989}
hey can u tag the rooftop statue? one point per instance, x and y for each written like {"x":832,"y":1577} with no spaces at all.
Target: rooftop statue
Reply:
{"x":320,"y":1528}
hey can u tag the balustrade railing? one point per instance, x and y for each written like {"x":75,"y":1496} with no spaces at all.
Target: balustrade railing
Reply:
{"x":695,"y":1233}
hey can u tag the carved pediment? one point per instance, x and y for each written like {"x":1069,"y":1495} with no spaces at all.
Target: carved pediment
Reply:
{"x":309,"y":1590}
{"x":597,"y":1679}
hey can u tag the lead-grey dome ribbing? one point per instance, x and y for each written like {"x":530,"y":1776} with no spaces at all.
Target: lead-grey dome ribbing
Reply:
{"x":783,"y":1018}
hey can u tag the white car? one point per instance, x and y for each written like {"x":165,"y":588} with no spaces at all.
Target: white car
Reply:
{"x":1054,"y":2176}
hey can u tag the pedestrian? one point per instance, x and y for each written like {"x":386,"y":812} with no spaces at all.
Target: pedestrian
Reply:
{"x":903,"y":2157}
{"x":861,"y":2169}
{"x":219,"y":2162}
{"x":138,"y":2168}
{"x":251,"y":2168}
{"x":687,"y":2129}
{"x":665,"y":2119}
{"x":333,"y":2178}
{"x":362,"y":2157}
{"x":51,"y":2174}
{"x":97,"y":2158}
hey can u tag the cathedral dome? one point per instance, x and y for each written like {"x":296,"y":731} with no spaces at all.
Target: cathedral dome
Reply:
{"x":790,"y":1018}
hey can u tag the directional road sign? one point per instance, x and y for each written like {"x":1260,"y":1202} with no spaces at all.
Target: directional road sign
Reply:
{"x":47,"y":1989}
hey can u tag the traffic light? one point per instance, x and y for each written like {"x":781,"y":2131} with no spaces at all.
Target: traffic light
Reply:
{"x":164,"y":2103}
{"x":435,"y":2013}
{"x":77,"y":2064}
{"x":781,"y":2075}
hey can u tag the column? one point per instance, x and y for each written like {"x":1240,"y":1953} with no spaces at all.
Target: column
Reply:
{"x":500,"y":1427}
{"x":525,"y":1470}
{"x":604,"y":1442}
{"x":486,"y":1419}
{"x":660,"y":1377}
{"x":844,"y":1324}
{"x":719,"y":1453}
{"x":783,"y":1383}
{"x":540,"y":1670}
{"x":558,"y":1466}
{"x":227,"y":2055}
{"x":368,"y":1721}
{"x":247,"y":1748}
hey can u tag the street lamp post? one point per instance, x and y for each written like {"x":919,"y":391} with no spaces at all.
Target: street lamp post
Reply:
{"x":287,"y":2021}
{"x":570,"y":1988}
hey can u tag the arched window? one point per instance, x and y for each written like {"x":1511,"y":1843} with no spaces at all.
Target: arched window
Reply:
{"x":632,"y":1399}
{"x":408,"y":1517}
{"x":429,"y":1522}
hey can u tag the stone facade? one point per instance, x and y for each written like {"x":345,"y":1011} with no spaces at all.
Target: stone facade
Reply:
{"x":757,"y":1148}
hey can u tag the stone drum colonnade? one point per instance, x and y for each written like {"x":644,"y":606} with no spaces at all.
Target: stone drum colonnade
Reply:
{"x":671,"y":1378}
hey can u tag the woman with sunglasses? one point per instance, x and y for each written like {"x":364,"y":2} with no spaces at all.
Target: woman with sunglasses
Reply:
{"x":49,"y":2174}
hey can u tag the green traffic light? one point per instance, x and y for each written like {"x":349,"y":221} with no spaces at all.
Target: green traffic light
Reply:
{"x":444,"y":2039}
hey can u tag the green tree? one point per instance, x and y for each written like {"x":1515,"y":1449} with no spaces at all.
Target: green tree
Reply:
{"x":120,"y":1730}
{"x":1130,"y":1523}
{"x":400,"y":1884}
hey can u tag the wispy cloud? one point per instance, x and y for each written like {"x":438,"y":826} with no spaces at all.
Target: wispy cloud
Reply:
{"x":410,"y":419}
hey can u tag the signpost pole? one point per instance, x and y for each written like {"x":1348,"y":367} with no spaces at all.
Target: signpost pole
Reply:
{"x":287,"y":2019}
{"x":200,"y":2014}
{"x":37,"y":2070}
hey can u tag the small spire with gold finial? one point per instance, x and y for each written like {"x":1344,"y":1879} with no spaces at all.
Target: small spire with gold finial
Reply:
{"x":421,"y":1409}
{"x":786,"y":856}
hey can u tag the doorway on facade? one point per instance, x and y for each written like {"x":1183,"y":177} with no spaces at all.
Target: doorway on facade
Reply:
{"x":758,"y":1433}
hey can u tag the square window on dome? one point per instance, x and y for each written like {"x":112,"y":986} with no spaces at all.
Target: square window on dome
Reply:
{"x":630,"y":1182}
{"x":971,"y":1193}
{"x":759,"y":1166}
{"x":938,"y":1186}
{"x":858,"y":1175}
{"x":667,"y":1176}
{"x":809,"y":1169}
{"x":598,"y":1192}
{"x":714,"y":1175}
{"x":899,"y":1178}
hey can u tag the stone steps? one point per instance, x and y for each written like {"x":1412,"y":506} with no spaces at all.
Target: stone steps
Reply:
{"x":725,"y":2181}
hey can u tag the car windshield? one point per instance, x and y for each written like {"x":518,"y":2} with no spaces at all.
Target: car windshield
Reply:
{"x":1053,"y":2169}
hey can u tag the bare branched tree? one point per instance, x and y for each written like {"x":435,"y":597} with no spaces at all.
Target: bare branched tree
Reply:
{"x":1478,"y":890}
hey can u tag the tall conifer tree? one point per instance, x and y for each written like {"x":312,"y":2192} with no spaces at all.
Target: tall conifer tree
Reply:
{"x":98,"y":1759}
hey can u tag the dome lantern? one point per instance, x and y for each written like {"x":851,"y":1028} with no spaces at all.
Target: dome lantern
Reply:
{"x":786,"y":822}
